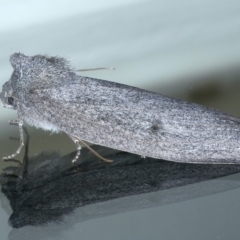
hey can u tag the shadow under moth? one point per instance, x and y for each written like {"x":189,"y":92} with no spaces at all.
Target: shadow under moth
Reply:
{"x":47,"y":187}
{"x":47,"y":93}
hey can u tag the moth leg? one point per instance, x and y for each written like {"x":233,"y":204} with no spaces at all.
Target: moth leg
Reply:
{"x":12,"y":159}
{"x":25,"y":157}
{"x":77,"y":142}
{"x":79,"y":147}
{"x":20,"y":125}
{"x":23,"y":167}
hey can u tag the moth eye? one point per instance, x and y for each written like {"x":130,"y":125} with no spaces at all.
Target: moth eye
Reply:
{"x":10,"y":100}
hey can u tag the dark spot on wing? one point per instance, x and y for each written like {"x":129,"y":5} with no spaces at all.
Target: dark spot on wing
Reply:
{"x":32,"y":91}
{"x":156,"y":126}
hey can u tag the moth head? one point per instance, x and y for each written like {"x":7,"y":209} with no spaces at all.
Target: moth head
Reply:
{"x":7,"y":97}
{"x":18,"y":61}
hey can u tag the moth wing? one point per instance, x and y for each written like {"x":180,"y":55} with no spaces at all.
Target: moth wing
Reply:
{"x":98,"y":104}
{"x":99,"y":111}
{"x":131,"y":119}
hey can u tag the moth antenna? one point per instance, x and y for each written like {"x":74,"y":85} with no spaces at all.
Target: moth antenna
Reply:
{"x":77,"y":141}
{"x":95,"y":153}
{"x":93,"y":69}
{"x":20,"y":125}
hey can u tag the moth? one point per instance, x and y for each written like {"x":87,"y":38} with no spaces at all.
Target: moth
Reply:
{"x":47,"y":93}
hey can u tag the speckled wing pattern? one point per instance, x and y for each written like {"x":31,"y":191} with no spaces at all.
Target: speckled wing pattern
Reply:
{"x":138,"y":121}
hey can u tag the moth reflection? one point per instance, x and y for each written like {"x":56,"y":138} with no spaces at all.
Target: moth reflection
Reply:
{"x":47,"y":187}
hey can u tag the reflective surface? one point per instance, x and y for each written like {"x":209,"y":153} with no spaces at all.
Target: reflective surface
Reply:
{"x":47,"y":188}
